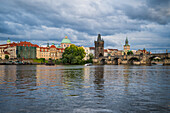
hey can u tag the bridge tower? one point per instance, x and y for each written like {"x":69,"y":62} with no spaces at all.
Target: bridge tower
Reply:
{"x":99,"y":47}
{"x":126,"y":46}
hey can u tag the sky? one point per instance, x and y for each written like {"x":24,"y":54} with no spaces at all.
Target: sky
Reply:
{"x":146,"y":23}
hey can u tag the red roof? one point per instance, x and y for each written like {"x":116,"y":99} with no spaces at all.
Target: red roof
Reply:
{"x":113,"y":49}
{"x":29,"y":44}
{"x":105,"y":50}
{"x":92,"y":47}
{"x":52,"y":46}
{"x":42,"y":49}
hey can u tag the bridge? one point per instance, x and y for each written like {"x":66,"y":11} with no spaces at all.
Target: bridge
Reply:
{"x":144,"y":59}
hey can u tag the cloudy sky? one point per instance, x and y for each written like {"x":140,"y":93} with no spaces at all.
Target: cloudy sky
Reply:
{"x":146,"y":23}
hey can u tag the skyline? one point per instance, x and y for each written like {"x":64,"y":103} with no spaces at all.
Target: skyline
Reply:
{"x":145,"y":23}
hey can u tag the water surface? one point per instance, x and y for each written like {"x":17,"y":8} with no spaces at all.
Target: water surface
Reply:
{"x":80,"y":89}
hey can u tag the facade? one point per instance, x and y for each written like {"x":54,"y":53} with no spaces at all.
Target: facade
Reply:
{"x":99,"y":47}
{"x":26,"y":50}
{"x":140,"y":52}
{"x":3,"y":53}
{"x":53,"y":52}
{"x":43,"y":52}
{"x":126,"y":46}
{"x":87,"y":50}
{"x":65,"y":42}
{"x":14,"y":50}
{"x":106,"y":53}
{"x":92,"y":50}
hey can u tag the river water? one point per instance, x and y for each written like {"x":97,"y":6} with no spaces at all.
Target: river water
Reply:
{"x":80,"y":89}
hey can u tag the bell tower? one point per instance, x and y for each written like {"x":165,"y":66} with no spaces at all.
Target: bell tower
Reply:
{"x":99,"y":47}
{"x":126,"y":46}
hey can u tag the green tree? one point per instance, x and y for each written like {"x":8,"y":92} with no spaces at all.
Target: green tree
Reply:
{"x":6,"y":57}
{"x":129,"y":53}
{"x":42,"y":60}
{"x":90,"y":60}
{"x":91,"y":56}
{"x":73,"y":55}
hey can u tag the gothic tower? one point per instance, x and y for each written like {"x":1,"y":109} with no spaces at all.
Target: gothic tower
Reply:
{"x":99,"y":47}
{"x":126,"y":46}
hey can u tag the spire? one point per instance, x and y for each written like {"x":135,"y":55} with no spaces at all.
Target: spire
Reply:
{"x":126,"y":41}
{"x":48,"y":45}
{"x":99,"y":37}
{"x":66,"y":37}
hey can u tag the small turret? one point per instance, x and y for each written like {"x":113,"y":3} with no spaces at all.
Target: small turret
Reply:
{"x":8,"y":41}
{"x":48,"y":45}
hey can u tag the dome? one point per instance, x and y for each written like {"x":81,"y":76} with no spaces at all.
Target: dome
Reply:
{"x":8,"y":40}
{"x":66,"y":40}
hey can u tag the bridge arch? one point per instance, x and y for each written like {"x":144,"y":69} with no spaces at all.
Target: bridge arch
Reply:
{"x":131,"y":60}
{"x":116,"y":61}
{"x":153,"y":59}
{"x":102,"y":61}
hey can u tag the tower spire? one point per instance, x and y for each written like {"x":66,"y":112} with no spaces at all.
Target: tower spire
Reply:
{"x":126,"y":41}
{"x":99,"y":37}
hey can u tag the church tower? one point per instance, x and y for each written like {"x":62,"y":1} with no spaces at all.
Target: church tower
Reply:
{"x":126,"y":46}
{"x":99,"y":47}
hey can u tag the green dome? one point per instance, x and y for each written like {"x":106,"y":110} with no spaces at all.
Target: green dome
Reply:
{"x":8,"y":40}
{"x":66,"y":40}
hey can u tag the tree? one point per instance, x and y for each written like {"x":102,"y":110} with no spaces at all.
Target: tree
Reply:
{"x":42,"y":60}
{"x":91,"y":56}
{"x":129,"y":53}
{"x":6,"y":57}
{"x":73,"y":55}
{"x":90,"y":60}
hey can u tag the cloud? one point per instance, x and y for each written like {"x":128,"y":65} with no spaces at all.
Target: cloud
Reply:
{"x":42,"y":21}
{"x":157,"y":11}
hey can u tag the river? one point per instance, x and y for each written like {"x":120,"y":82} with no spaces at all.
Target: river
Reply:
{"x":80,"y":89}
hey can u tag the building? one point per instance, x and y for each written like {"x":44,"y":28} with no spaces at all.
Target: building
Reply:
{"x":14,"y":50}
{"x":92,"y":50}
{"x":87,"y":51}
{"x":106,"y":53}
{"x":65,"y":42}
{"x":26,"y":50}
{"x":141,"y":52}
{"x":126,"y":46}
{"x":99,"y":47}
{"x":50,"y":52}
{"x":43,"y":52}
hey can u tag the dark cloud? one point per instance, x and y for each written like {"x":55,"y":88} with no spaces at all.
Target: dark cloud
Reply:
{"x":153,"y":11}
{"x":49,"y":21}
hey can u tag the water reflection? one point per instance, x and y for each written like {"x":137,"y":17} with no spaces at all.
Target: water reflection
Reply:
{"x":126,"y":75}
{"x":48,"y":77}
{"x":26,"y":77}
{"x":105,"y":88}
{"x":99,"y":78}
{"x":6,"y":74}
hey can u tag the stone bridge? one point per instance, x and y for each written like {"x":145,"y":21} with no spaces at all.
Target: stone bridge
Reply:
{"x":134,"y":59}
